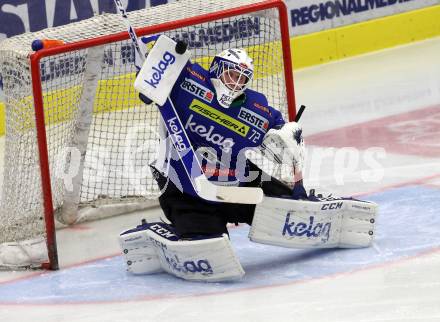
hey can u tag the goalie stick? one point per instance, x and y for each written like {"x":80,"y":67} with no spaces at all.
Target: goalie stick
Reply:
{"x":299,"y":114}
{"x":140,"y":53}
{"x":201,"y":185}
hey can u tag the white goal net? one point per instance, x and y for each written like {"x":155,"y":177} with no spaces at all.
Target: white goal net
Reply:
{"x":78,"y":140}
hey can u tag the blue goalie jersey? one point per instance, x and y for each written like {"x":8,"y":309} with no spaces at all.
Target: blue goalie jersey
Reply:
{"x":220,"y":136}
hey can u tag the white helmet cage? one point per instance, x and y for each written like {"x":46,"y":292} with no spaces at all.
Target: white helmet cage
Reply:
{"x":231,"y":72}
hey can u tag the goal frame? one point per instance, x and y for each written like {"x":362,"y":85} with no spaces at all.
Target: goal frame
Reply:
{"x":37,"y":91}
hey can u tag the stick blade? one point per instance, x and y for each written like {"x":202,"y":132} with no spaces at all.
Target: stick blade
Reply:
{"x":241,"y":195}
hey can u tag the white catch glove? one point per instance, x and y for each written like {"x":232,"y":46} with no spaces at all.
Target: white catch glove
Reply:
{"x":285,"y":146}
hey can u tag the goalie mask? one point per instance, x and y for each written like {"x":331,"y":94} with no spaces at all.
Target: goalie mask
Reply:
{"x":231,"y":73}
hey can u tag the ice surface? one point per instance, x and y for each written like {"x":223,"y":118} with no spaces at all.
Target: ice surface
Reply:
{"x":388,"y":100}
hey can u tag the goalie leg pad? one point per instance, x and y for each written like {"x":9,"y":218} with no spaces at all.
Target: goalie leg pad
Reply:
{"x":314,"y":224}
{"x":23,"y":254}
{"x":138,"y":251}
{"x":358,"y":224}
{"x":208,"y":259}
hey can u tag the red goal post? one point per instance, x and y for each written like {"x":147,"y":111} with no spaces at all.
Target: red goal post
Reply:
{"x":59,"y":84}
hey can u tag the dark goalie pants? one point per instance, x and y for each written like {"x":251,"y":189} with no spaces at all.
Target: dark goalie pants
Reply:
{"x":193,"y":216}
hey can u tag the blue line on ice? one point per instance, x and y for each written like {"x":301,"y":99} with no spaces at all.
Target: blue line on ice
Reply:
{"x":408,"y":224}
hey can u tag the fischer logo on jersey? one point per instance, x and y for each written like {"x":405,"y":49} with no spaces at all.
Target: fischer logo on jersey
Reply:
{"x":254,"y":119}
{"x":219,"y":117}
{"x":225,"y":143}
{"x":159,"y":70}
{"x":198,"y":90}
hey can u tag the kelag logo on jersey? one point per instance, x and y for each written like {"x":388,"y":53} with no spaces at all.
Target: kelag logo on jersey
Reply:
{"x":253,"y":119}
{"x":219,"y":117}
{"x":196,"y":89}
{"x":225,"y":144}
{"x":177,"y":133}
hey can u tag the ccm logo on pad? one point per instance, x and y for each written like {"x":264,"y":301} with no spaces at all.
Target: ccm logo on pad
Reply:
{"x":159,"y":70}
{"x":333,"y":205}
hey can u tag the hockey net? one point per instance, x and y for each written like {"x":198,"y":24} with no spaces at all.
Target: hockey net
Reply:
{"x":78,"y":140}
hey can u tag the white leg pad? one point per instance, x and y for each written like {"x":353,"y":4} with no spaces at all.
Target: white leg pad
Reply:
{"x":210,"y":260}
{"x":139,"y":252}
{"x":314,"y":224}
{"x":358,"y":224}
{"x":23,"y":254}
